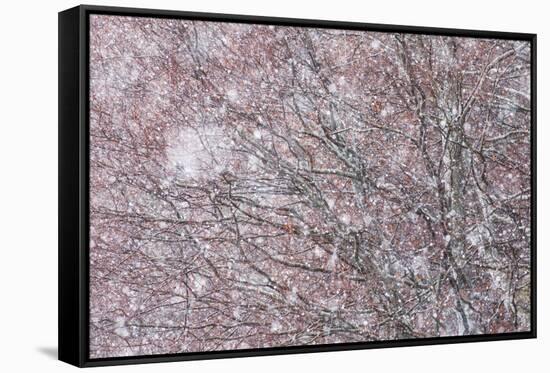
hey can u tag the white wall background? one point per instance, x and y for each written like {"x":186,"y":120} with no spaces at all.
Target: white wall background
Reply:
{"x":28,"y":185}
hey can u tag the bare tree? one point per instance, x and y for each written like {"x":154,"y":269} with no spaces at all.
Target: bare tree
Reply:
{"x":257,"y":186}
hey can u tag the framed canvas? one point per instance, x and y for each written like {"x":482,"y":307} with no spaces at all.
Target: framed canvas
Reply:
{"x":236,"y":186}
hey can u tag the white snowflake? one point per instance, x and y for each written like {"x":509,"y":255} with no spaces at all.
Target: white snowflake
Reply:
{"x":275,"y":326}
{"x":120,"y":327}
{"x":345,"y":218}
{"x":232,"y":95}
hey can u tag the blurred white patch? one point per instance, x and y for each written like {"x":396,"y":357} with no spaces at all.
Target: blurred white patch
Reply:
{"x":120,"y":327}
{"x":275,"y":326}
{"x":232,"y":95}
{"x":331,"y":264}
{"x":196,"y":152}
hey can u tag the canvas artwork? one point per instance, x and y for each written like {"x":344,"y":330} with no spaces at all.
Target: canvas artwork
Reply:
{"x":255,"y":186}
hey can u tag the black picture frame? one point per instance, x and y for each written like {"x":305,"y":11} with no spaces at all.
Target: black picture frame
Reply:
{"x":74,"y":179}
